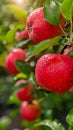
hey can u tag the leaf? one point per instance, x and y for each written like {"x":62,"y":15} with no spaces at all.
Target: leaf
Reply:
{"x":70,"y":128}
{"x":13,"y":99}
{"x":14,"y":113}
{"x":23,"y":67}
{"x":53,"y":125}
{"x":70,"y":53}
{"x":60,"y":0}
{"x":4,"y":122}
{"x":34,"y":50}
{"x":3,"y":58}
{"x":69,"y":117}
{"x":2,"y":37}
{"x":19,"y":13}
{"x":23,"y":43}
{"x":66,"y":8}
{"x":10,"y":35}
{"x":52,"y":12}
{"x":2,"y":48}
{"x":20,"y":76}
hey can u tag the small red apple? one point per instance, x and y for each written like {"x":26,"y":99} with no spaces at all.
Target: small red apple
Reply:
{"x":16,"y":54}
{"x":30,"y":112}
{"x":26,"y":129}
{"x":22,"y":34}
{"x":25,"y":94}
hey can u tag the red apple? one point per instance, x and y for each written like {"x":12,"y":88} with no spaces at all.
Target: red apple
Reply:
{"x":22,"y":34}
{"x":54,"y":72}
{"x":30,"y":112}
{"x":39,"y":29}
{"x":16,"y":54}
{"x":25,"y":94}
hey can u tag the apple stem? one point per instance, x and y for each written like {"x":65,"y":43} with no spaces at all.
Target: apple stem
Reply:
{"x":71,"y":32}
{"x":63,"y":30}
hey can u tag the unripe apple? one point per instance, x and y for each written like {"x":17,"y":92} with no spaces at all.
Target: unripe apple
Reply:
{"x":39,"y":29}
{"x":30,"y":112}
{"x":54,"y":72}
{"x":16,"y":54}
{"x":25,"y":94}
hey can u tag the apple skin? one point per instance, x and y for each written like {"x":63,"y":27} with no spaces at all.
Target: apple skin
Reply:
{"x":30,"y":112}
{"x":71,"y":90}
{"x":26,"y":129}
{"x":25,"y":94}
{"x":20,"y":81}
{"x":39,"y":29}
{"x":16,"y":54}
{"x":54,"y":72}
{"x":21,"y":35}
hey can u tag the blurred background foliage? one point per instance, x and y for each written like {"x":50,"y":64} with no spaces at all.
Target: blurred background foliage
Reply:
{"x":13,"y":14}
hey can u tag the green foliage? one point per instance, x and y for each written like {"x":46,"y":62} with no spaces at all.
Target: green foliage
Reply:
{"x":13,"y":99}
{"x":4,"y":122}
{"x":23,"y":67}
{"x":53,"y":125}
{"x":2,"y":48}
{"x":53,"y":7}
{"x":34,"y":50}
{"x":10,"y":36}
{"x":71,"y":53}
{"x":19,"y":13}
{"x":69,"y":118}
{"x":67,"y":6}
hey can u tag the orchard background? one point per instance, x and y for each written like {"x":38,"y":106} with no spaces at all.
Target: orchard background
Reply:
{"x":24,"y":104}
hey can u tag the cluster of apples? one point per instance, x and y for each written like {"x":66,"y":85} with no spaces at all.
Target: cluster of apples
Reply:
{"x":53,"y":72}
{"x":30,"y":108}
{"x":38,"y":29}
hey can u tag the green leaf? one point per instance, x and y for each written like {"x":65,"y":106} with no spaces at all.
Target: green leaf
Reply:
{"x":13,"y":99}
{"x":23,"y":67}
{"x":70,"y":128}
{"x":60,"y":1}
{"x":34,"y":50}
{"x":53,"y":125}
{"x":69,"y":117}
{"x":23,"y":43}
{"x":66,"y":8}
{"x":19,"y":76}
{"x":14,"y":113}
{"x":18,"y":12}
{"x":4,"y":122}
{"x":70,"y":53}
{"x":2,"y":37}
{"x":2,"y":48}
{"x":3,"y":58}
{"x":52,"y":12}
{"x":10,"y":35}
